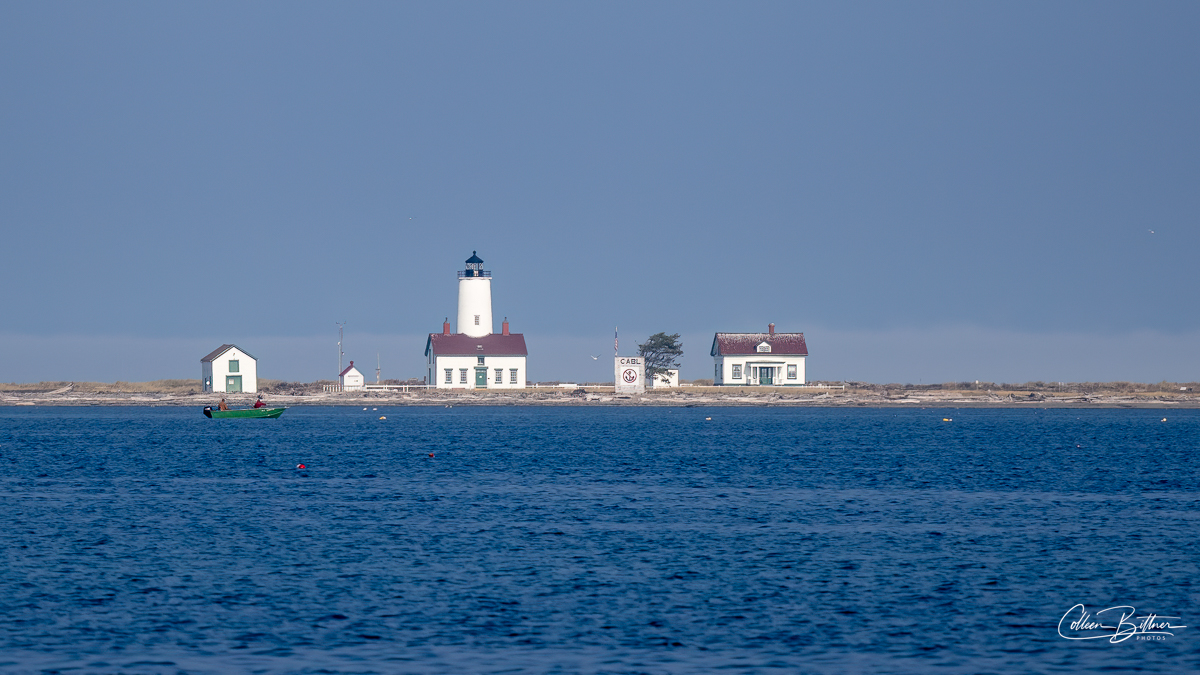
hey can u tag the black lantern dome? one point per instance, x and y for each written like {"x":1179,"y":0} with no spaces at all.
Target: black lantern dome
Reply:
{"x":474,"y":267}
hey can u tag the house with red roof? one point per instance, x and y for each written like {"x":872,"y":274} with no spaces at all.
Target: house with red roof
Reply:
{"x":759,"y":359}
{"x":474,"y":357}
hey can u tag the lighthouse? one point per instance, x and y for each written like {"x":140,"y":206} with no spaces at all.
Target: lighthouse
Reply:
{"x":474,"y":357}
{"x":475,"y":298}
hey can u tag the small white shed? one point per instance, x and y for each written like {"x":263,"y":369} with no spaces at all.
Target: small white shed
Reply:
{"x":230,"y":370}
{"x":667,"y":380}
{"x":351,"y":379}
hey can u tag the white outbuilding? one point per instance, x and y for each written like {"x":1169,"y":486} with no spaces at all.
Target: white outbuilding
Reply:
{"x":351,"y":379}
{"x":759,"y":359}
{"x":474,"y":357}
{"x":230,"y":370}
{"x":667,"y":380}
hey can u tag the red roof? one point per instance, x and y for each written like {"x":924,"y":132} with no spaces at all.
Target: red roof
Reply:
{"x":348,"y":369}
{"x":745,"y":344}
{"x":458,"y":344}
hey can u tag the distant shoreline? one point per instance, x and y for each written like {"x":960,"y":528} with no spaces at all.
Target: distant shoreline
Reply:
{"x":601,"y":396}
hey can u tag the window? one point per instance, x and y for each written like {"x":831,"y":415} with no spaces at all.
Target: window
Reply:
{"x":476,"y":319}
{"x":737,"y":371}
{"x":233,"y":366}
{"x":792,"y":371}
{"x":499,"y":376}
{"x":512,"y":375}
{"x":462,"y":375}
{"x":764,"y":347}
{"x":449,"y":376}
{"x":479,"y":360}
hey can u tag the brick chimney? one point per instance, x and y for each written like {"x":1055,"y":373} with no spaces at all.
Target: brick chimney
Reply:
{"x":446,"y":326}
{"x":771,"y":328}
{"x":504,"y":327}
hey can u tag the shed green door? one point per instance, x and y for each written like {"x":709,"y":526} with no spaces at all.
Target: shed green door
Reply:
{"x":233,"y":384}
{"x":766,"y":375}
{"x":481,"y":378}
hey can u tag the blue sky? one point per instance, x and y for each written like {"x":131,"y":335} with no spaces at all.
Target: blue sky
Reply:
{"x":929,"y":191}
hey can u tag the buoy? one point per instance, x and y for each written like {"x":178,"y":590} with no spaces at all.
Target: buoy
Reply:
{"x":947,"y":419}
{"x":431,"y":454}
{"x":707,"y":419}
{"x":301,"y":466}
{"x":1164,"y":419}
{"x":364,"y":408}
{"x":372,"y":408}
{"x":382,"y":417}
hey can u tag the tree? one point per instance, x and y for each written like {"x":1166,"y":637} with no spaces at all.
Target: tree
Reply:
{"x":660,"y":351}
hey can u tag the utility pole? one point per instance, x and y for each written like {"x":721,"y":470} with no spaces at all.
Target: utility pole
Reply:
{"x":376,"y":367}
{"x":340,"y":325}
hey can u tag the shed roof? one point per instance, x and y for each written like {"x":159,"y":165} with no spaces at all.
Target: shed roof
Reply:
{"x":739,"y":344}
{"x":348,"y":369}
{"x":458,"y":344}
{"x":221,"y":350}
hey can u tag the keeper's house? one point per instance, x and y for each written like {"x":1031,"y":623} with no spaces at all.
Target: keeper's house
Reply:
{"x":460,"y":361}
{"x":759,"y":359}
{"x":231,"y":370}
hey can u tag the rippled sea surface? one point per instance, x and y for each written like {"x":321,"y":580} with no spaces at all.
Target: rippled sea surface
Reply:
{"x":594,"y":540}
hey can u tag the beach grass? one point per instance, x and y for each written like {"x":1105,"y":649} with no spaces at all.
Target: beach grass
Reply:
{"x":119,"y":387}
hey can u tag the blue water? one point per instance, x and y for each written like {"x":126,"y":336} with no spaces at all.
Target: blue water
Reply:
{"x":593,"y":540}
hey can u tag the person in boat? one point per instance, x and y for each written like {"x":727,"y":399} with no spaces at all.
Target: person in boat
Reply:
{"x":259,"y":403}
{"x":222,"y":406}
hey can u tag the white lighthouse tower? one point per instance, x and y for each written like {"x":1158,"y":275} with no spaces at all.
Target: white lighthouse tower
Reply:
{"x":475,"y":357}
{"x":475,"y":299}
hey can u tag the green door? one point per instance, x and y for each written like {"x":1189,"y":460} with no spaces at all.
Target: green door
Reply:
{"x":481,"y":378}
{"x":765,"y":375}
{"x":233,"y":384}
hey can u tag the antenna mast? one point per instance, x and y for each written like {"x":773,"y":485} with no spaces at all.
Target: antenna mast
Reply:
{"x":340,"y":325}
{"x":376,"y":367}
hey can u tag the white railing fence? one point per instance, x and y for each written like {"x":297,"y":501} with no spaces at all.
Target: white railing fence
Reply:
{"x":338,"y":389}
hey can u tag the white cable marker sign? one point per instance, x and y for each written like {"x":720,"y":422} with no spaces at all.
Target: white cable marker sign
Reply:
{"x":630,"y":374}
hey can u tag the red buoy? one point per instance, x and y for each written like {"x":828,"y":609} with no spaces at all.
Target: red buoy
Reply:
{"x":301,"y":466}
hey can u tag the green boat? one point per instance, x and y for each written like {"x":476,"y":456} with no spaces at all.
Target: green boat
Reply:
{"x":246,"y":412}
